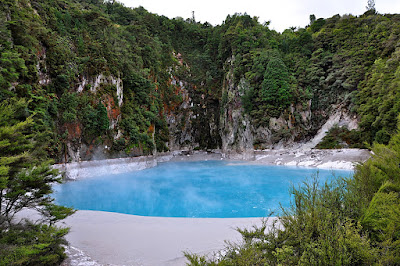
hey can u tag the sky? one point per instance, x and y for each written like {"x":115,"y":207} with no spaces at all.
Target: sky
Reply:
{"x":281,"y":13}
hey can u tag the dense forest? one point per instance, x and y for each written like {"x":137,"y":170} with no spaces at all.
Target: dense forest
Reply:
{"x":88,"y":79}
{"x":109,"y":81}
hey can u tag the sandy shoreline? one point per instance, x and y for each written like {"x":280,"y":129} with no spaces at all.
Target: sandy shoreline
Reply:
{"x":121,"y":239}
{"x":103,"y":238}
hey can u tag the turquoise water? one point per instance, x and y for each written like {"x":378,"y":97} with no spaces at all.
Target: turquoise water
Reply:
{"x":207,"y":189}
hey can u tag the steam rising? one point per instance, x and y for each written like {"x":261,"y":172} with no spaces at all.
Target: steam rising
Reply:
{"x":187,"y":189}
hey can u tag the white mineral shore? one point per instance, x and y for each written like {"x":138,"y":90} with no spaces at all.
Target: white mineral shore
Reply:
{"x":121,"y":239}
{"x":102,"y":238}
{"x":326,"y":159}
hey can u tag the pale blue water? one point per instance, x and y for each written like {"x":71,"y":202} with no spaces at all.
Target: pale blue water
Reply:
{"x":190,"y":189}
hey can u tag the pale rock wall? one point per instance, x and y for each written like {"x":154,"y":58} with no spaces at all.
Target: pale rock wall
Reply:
{"x":291,"y":129}
{"x":94,"y":168}
{"x":95,"y":83}
{"x":235,"y":127}
{"x":78,"y":151}
{"x":286,"y":130}
{"x":74,"y":152}
{"x":194,"y":122}
{"x":179,"y":120}
{"x":197,"y":118}
{"x":43,"y":77}
{"x":341,"y":117}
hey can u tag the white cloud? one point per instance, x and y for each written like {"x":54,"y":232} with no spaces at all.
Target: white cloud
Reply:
{"x":282,"y":13}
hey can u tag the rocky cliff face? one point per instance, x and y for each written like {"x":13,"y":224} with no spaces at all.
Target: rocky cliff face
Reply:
{"x":194,"y":122}
{"x":199,"y":121}
{"x":235,"y":128}
{"x":340,"y":117}
{"x":179,"y":119}
{"x":294,"y":128}
{"x":77,"y":149}
{"x":289,"y":128}
{"x":107,"y":81}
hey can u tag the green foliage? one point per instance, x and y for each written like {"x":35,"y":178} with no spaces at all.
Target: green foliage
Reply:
{"x":315,"y":230}
{"x":318,"y":226}
{"x":316,"y":25}
{"x":327,"y":61}
{"x":68,"y":107}
{"x":379,"y":99}
{"x":12,"y":67}
{"x":25,"y":182}
{"x":241,"y":34}
{"x":378,"y":185}
{"x":102,"y":118}
{"x":332,"y":61}
{"x":14,"y":139}
{"x":61,"y":84}
{"x":95,"y":120}
{"x":382,"y":216}
{"x":374,"y":173}
{"x":341,"y":62}
{"x":340,"y":137}
{"x":30,"y":244}
{"x":247,"y":100}
{"x":53,"y":213}
{"x":138,"y":113}
{"x":275,"y":90}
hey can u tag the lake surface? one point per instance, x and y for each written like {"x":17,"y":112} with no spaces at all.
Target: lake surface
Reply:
{"x":203,"y":189}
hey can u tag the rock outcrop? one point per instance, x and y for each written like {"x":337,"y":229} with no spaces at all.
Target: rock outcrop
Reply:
{"x":200,"y":121}
{"x":77,"y":149}
{"x":193,"y":122}
{"x":235,"y":127}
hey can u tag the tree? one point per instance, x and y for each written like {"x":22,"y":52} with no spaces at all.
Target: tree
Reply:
{"x":12,"y":67}
{"x":68,"y":106}
{"x":275,"y":89}
{"x":102,"y":118}
{"x":95,"y":120}
{"x":25,"y":182}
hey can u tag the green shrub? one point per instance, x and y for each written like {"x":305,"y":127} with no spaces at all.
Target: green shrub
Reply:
{"x":30,"y":244}
{"x":340,"y":137}
{"x":68,"y":107}
{"x":315,"y":230}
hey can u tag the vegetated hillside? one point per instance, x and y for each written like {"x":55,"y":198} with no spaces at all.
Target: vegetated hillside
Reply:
{"x":108,"y":81}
